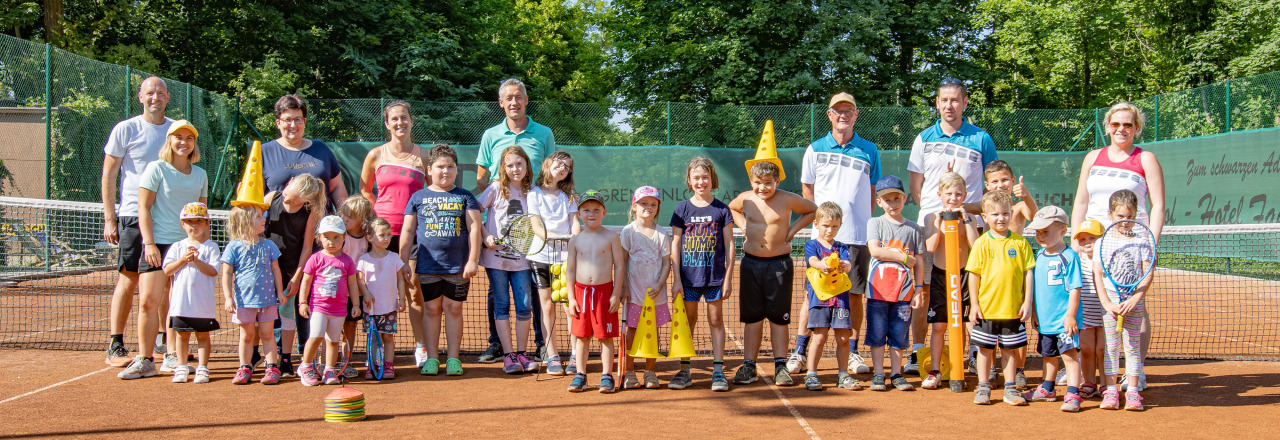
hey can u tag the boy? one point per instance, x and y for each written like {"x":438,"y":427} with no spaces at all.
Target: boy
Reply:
{"x":596,"y":260}
{"x":766,"y":273}
{"x":952,"y":193}
{"x":999,"y":271}
{"x":833,"y":313}
{"x":444,"y":219}
{"x":1058,"y":313}
{"x":999,"y":176}
{"x":895,"y":244}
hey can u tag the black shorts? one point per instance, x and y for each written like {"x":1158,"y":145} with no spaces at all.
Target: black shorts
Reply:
{"x":435,"y":286}
{"x":181,"y":324}
{"x":938,"y":296}
{"x":860,"y":259}
{"x":541,"y":274}
{"x":765,"y":288}
{"x":142,"y":265}
{"x":1004,"y":333}
{"x":130,"y":243}
{"x":353,"y":306}
{"x":1056,"y":345}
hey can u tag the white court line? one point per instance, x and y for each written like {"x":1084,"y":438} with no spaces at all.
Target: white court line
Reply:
{"x":54,"y":385}
{"x":51,"y":330}
{"x":1216,"y":336}
{"x":777,"y":392}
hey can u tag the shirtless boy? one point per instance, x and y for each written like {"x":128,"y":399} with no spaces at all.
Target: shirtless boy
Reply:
{"x":596,"y":260}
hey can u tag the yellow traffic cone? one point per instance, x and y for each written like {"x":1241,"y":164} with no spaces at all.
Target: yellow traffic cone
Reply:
{"x":250,"y":192}
{"x":681,"y":335}
{"x":767,"y":151}
{"x":925,"y":358}
{"x":828,"y":285}
{"x":645,"y":345}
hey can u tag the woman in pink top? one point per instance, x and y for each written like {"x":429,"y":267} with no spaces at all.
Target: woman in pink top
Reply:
{"x":395,"y":171}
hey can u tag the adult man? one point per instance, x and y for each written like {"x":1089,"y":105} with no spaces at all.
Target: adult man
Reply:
{"x":842,"y":168}
{"x":133,"y":143}
{"x":538,"y":142}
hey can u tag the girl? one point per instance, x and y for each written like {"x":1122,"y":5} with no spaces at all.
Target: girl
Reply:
{"x":508,"y":270}
{"x":553,"y":199}
{"x":357,"y":216}
{"x":647,"y":269}
{"x":291,"y":224}
{"x":383,"y":288}
{"x":328,"y":278}
{"x":192,"y":307}
{"x":1124,"y":206}
{"x":250,"y":269}
{"x":1092,"y":340}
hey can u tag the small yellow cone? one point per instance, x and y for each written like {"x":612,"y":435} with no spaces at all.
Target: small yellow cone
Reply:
{"x":767,"y":151}
{"x":827,"y":286}
{"x":645,"y":344}
{"x":250,"y":192}
{"x":924,"y":357}
{"x":681,"y":336}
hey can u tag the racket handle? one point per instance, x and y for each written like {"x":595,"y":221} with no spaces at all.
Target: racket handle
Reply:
{"x":1119,"y":323}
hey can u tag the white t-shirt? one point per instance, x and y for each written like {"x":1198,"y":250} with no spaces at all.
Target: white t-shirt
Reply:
{"x":557,"y":213}
{"x":845,"y":175}
{"x":192,"y":294}
{"x":137,"y":143}
{"x":380,"y":277}
{"x":501,"y":212}
{"x":968,"y":151}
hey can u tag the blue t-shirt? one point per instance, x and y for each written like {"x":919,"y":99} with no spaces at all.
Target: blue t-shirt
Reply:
{"x":255,"y":286}
{"x":442,"y":228}
{"x":702,"y":246}
{"x":1055,"y":276}
{"x":279,"y":164}
{"x":813,"y":248}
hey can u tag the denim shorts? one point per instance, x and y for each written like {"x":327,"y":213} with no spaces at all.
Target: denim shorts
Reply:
{"x":888,"y":323}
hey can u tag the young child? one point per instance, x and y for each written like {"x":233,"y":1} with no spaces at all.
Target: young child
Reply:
{"x":895,"y":245}
{"x":1000,"y":269}
{"x":510,"y":279}
{"x":834,"y":312}
{"x":702,"y":257}
{"x":648,"y":264}
{"x":596,"y":260}
{"x":1092,"y":340}
{"x":999,"y":177}
{"x":952,"y":193}
{"x":766,"y":274}
{"x":250,"y":269}
{"x":444,"y":221}
{"x":1058,"y":312}
{"x":1123,"y":206}
{"x":328,"y":280}
{"x":382,"y":286}
{"x":291,"y":226}
{"x":193,"y":264}
{"x":357,"y":217}
{"x":552,"y":199}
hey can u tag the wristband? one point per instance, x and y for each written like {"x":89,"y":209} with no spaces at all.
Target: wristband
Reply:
{"x":149,"y":244}
{"x":919,"y":285}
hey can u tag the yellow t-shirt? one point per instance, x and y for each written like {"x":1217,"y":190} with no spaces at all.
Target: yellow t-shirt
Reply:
{"x":1002,"y":264}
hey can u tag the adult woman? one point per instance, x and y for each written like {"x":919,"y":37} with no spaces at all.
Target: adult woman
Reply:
{"x":164,"y":188}
{"x":392,"y":172}
{"x":291,"y":154}
{"x":1118,"y":166}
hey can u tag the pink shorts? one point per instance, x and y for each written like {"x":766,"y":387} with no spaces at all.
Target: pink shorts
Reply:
{"x":662,"y":312}
{"x":245,"y":315}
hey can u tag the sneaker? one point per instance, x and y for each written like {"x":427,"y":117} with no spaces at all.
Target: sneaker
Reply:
{"x":554,"y":367}
{"x":539,"y":353}
{"x":572,"y":367}
{"x":350,"y":372}
{"x":931,"y":382}
{"x":795,"y":362}
{"x":202,"y":375}
{"x":453,"y":367}
{"x":331,"y":376}
{"x":1088,"y":390}
{"x":1013,"y":397}
{"x":491,"y":355}
{"x":631,"y":381}
{"x":1123,"y":382}
{"x":388,"y":371}
{"x":846,"y":381}
{"x":1020,"y":380}
{"x":781,"y":377}
{"x":1132,"y":401}
{"x":746,"y":374}
{"x":911,"y":367}
{"x":651,"y":380}
{"x":527,"y":363}
{"x":877,"y":383}
{"x":995,"y":371}
{"x":1040,"y":395}
{"x":680,"y":381}
{"x":117,"y":356}
{"x":578,"y":383}
{"x":812,"y":383}
{"x":286,"y":369}
{"x":719,"y":382}
{"x":430,"y":367}
{"x":510,"y":365}
{"x":1061,"y":380}
{"x":1071,"y":403}
{"x":368,"y":374}
{"x":900,"y":382}
{"x":160,"y":347}
{"x":983,"y":395}
{"x":139,"y":368}
{"x":419,"y":356}
{"x":857,"y":365}
{"x":307,"y":372}
{"x":971,"y":366}
{"x":1110,"y":399}
{"x":271,"y":376}
{"x":181,"y":373}
{"x":606,"y":383}
{"x":170,"y":363}
{"x":243,"y":375}
{"x":1142,"y":382}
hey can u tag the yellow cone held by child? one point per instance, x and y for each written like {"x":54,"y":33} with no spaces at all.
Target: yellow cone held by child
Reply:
{"x":681,"y":334}
{"x":645,"y":345}
{"x":250,"y":192}
{"x":828,"y":285}
{"x":767,"y":151}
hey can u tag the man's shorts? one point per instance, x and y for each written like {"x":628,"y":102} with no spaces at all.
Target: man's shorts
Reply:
{"x":708,"y":293}
{"x":938,"y":296}
{"x":765,"y":288}
{"x":594,"y":318}
{"x":199,"y":325}
{"x":452,"y":286}
{"x":386,"y":324}
{"x":1056,"y":345}
{"x":144,"y":267}
{"x":1003,"y":333}
{"x":888,"y":323}
{"x":541,"y":274}
{"x":130,"y":243}
{"x":253,"y":315}
{"x":830,"y":317}
{"x":860,"y":259}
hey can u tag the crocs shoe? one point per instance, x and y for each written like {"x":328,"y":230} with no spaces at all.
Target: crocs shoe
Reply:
{"x":931,"y":382}
{"x":857,"y":365}
{"x":527,"y":363}
{"x":846,"y":381}
{"x":554,"y":367}
{"x":795,"y":362}
{"x":1014,"y":397}
{"x":606,"y":384}
{"x":181,"y":373}
{"x":243,"y":375}
{"x":1133,"y":401}
{"x":578,"y":383}
{"x":719,"y":382}
{"x":271,"y":376}
{"x":746,"y":374}
{"x":453,"y":367}
{"x":812,"y":383}
{"x":1071,"y":403}
{"x":430,"y":367}
{"x":680,"y":381}
{"x":331,"y":376}
{"x":202,"y":375}
{"x":651,"y":380}
{"x":900,"y":382}
{"x":1040,"y":395}
{"x":983,"y":395}
{"x":510,"y":365}
{"x":308,"y":375}
{"x":139,"y":368}
{"x":118,"y":356}
{"x":877,"y":383}
{"x":1110,"y":399}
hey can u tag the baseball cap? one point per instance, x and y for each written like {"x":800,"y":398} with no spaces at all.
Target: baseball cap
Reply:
{"x":646,"y":191}
{"x":590,"y":195}
{"x":332,"y":223}
{"x":888,"y":184}
{"x":1091,"y":227}
{"x":1047,"y":216}
{"x":842,"y":97}
{"x":180,"y":124}
{"x":194,"y":210}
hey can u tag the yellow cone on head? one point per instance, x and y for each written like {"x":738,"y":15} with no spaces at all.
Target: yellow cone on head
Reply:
{"x":681,"y":333}
{"x":645,"y":344}
{"x":250,"y":192}
{"x":767,"y":151}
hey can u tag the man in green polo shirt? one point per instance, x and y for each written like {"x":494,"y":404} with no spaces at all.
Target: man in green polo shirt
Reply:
{"x":518,"y":129}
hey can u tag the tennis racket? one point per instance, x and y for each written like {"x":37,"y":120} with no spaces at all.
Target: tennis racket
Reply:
{"x":373,"y":348}
{"x":1127,"y":253}
{"x":526,"y":234}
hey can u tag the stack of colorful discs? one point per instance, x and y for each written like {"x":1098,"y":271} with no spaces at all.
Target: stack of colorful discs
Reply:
{"x":344,"y":404}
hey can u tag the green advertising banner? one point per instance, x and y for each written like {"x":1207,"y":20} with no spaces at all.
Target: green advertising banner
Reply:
{"x":1223,"y":179}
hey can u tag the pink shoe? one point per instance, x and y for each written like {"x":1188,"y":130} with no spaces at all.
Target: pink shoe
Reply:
{"x":388,"y":371}
{"x":307,"y":373}
{"x":528,"y":364}
{"x":243,"y":375}
{"x":1110,"y":399}
{"x":271,"y":376}
{"x":330,"y":376}
{"x":1071,"y":403}
{"x":1040,"y":395}
{"x":1133,"y":401}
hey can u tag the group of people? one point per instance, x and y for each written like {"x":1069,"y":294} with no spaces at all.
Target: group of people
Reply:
{"x":412,"y":239}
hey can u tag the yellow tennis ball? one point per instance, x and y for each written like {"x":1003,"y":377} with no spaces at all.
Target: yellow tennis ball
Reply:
{"x":556,"y":284}
{"x":555,"y":269}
